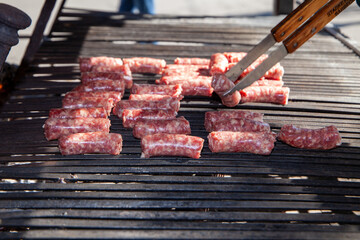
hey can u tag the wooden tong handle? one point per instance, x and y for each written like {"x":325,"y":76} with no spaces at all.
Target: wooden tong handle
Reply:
{"x":316,"y":23}
{"x":297,"y":17}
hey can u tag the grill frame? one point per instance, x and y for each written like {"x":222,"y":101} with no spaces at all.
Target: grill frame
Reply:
{"x":291,"y":194}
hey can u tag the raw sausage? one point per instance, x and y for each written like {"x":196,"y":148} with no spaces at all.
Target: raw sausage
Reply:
{"x":86,"y":102}
{"x":91,"y":142}
{"x":275,"y":73}
{"x":192,"y":61}
{"x":119,"y":76}
{"x":101,"y":85}
{"x":267,"y":82}
{"x":251,"y":142}
{"x":57,"y":127}
{"x":163,"y":144}
{"x":145,"y":64}
{"x":87,"y":64}
{"x":221,"y":84}
{"x":131,"y":116}
{"x":212,"y":117}
{"x":116,"y":96}
{"x":195,"y":87}
{"x":78,"y":113}
{"x":150,"y":97}
{"x":175,"y":126}
{"x":323,"y":138}
{"x":168,"y":103}
{"x":218,"y":64}
{"x":172,"y":90}
{"x":240,"y":125}
{"x":265,"y":94}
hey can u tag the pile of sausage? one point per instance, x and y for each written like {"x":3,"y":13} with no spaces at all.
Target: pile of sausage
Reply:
{"x":268,"y":89}
{"x":82,"y":125}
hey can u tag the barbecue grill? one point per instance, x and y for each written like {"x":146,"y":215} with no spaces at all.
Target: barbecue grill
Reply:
{"x":291,"y":194}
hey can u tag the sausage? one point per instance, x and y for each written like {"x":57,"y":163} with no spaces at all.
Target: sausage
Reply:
{"x":192,"y":87}
{"x":131,"y":116}
{"x":101,"y":85}
{"x":181,"y":78}
{"x":172,"y":90}
{"x":87,"y":64}
{"x":116,"y":96}
{"x":267,"y":82}
{"x":212,"y":117}
{"x":91,"y":142}
{"x":251,"y":142}
{"x":221,"y":84}
{"x":175,"y":126}
{"x":57,"y":127}
{"x":145,"y":64}
{"x":265,"y":94}
{"x":186,"y":70}
{"x":78,"y":113}
{"x":234,"y":57}
{"x":120,"y":76}
{"x":322,"y":138}
{"x":192,"y":61}
{"x":218,"y":63}
{"x":163,"y":144}
{"x":150,"y":97}
{"x":275,"y":73}
{"x":240,"y":125}
{"x":168,"y":103}
{"x":86,"y":102}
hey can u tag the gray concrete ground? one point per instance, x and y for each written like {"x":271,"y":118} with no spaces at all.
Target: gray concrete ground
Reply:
{"x":348,"y":21}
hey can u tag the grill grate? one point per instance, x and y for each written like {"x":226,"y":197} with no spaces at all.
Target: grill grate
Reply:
{"x":291,"y":194}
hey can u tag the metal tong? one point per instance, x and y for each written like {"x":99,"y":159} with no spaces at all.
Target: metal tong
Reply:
{"x":293,"y":31}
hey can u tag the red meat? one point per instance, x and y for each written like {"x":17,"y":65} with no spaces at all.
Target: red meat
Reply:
{"x":131,"y":116}
{"x":172,"y":90}
{"x":57,"y":127}
{"x":101,"y":85}
{"x":86,"y":102}
{"x":145,"y":64}
{"x":121,"y":76}
{"x":175,"y":126}
{"x":168,"y":103}
{"x":221,"y":84}
{"x":78,"y":113}
{"x":240,"y":125}
{"x":251,"y":142}
{"x":218,"y":64}
{"x":195,"y":87}
{"x":323,"y":138}
{"x":267,"y":82}
{"x":163,"y":144}
{"x":192,"y":61}
{"x":265,"y":94}
{"x":116,"y":96}
{"x":87,"y":64}
{"x":91,"y":142}
{"x":150,"y":97}
{"x":275,"y":73}
{"x":212,"y":117}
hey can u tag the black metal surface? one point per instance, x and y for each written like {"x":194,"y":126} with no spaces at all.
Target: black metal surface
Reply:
{"x":291,"y":194}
